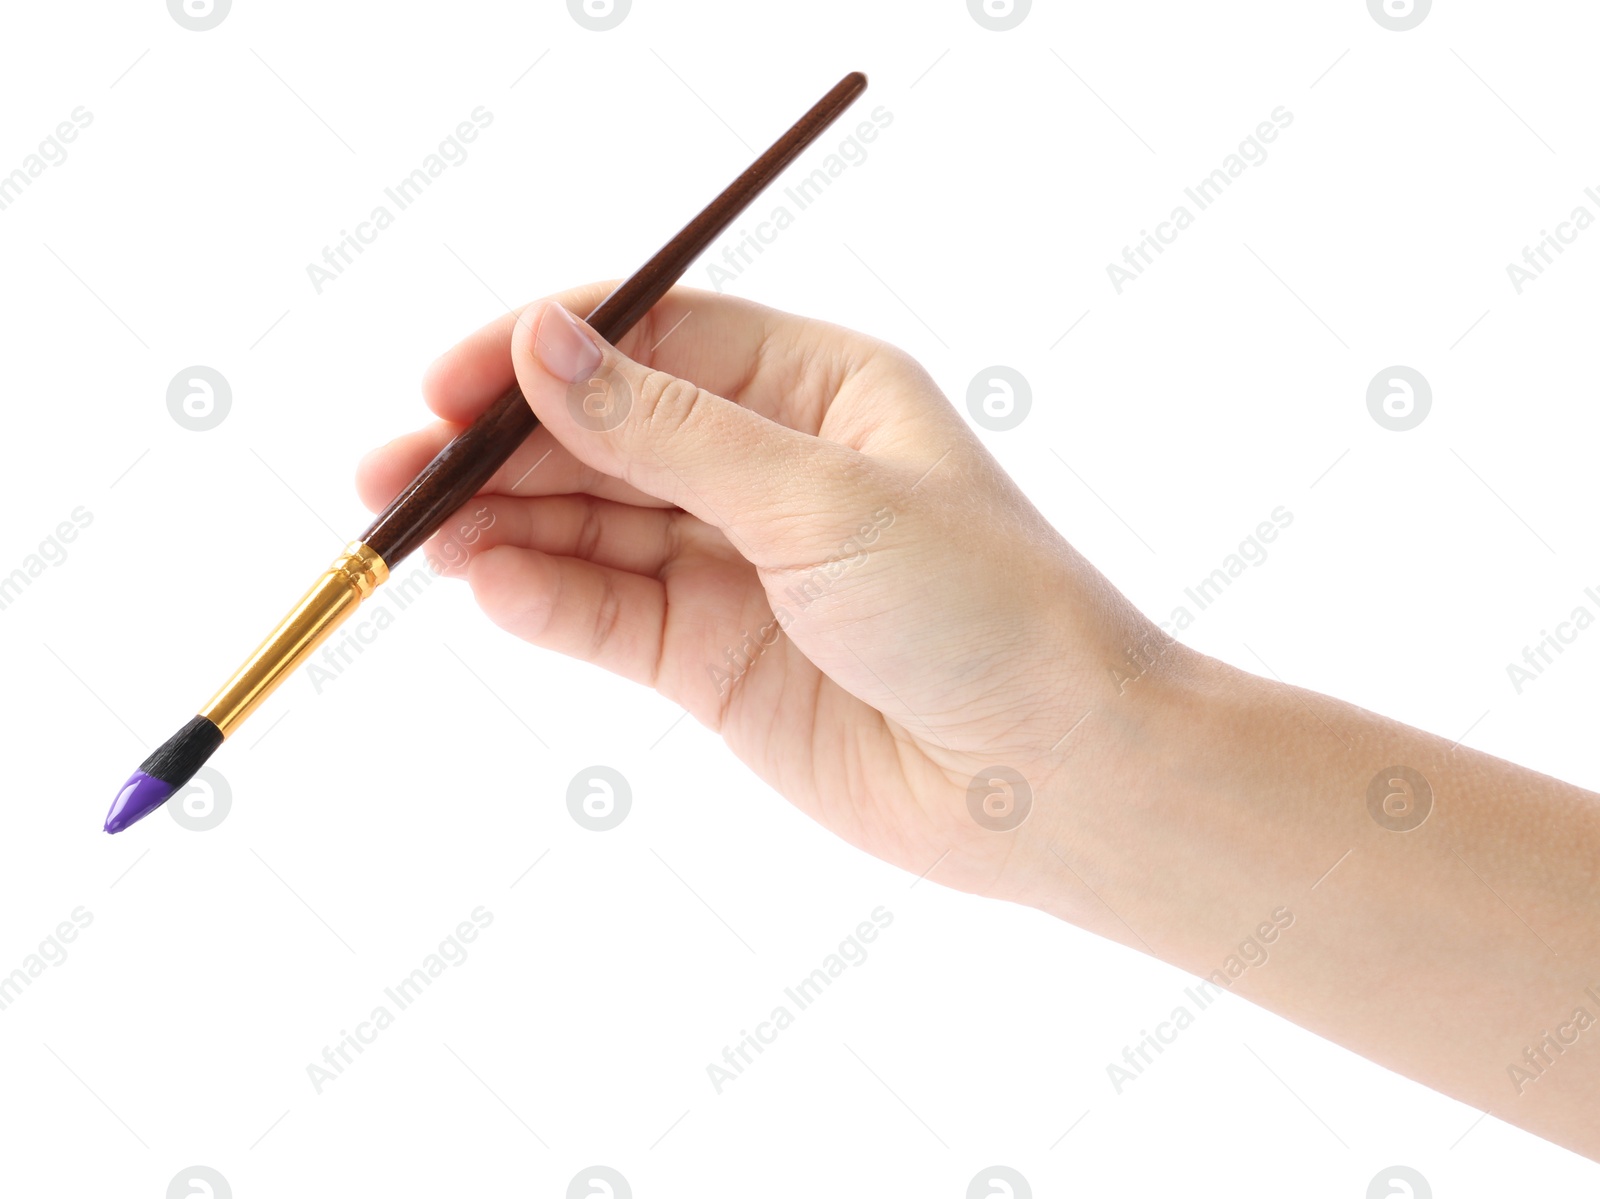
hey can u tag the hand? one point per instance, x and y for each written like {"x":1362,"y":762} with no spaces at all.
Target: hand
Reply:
{"x":784,"y":527}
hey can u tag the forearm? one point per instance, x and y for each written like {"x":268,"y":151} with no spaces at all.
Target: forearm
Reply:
{"x":1445,"y":951}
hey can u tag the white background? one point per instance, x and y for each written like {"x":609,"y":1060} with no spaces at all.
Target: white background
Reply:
{"x":371,"y":816}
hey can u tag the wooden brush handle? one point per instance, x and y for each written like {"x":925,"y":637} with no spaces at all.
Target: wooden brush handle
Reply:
{"x":459,"y":470}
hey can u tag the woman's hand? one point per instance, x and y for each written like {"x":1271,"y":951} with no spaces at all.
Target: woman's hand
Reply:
{"x":784,"y":527}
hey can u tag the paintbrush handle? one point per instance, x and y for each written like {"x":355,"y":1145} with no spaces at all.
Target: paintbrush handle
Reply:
{"x":444,"y":485}
{"x":459,"y":470}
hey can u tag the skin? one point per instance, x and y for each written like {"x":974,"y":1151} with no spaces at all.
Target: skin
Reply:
{"x":789,"y":531}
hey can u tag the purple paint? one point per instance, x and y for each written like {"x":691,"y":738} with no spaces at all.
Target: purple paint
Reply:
{"x":140,"y":795}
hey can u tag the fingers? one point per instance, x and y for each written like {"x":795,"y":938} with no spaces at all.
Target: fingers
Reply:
{"x":725,"y":342}
{"x":476,"y":371}
{"x":601,"y":615}
{"x":779,"y":494}
{"x":620,"y":536}
{"x":786,"y":367}
{"x":540,"y":466}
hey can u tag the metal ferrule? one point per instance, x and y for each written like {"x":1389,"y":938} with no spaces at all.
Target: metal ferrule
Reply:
{"x":354,"y":575}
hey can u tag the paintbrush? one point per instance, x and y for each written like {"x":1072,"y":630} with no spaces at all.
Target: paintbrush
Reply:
{"x":443,"y":486}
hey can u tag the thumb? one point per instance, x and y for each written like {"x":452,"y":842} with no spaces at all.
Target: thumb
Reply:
{"x":733,"y":468}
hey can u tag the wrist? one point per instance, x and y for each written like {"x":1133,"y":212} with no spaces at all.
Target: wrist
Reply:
{"x":1152,"y":794}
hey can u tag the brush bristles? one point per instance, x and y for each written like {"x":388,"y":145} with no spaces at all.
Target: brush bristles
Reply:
{"x":183,"y":753}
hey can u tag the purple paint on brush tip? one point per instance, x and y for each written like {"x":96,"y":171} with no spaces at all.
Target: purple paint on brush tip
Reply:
{"x":140,"y":795}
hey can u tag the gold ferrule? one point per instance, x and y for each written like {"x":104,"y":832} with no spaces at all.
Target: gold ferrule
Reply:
{"x":354,"y":575}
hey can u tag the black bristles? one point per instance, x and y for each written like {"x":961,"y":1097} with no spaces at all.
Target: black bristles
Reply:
{"x":183,"y":753}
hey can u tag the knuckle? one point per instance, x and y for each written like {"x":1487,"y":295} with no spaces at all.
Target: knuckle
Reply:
{"x":607,"y":615}
{"x":667,"y":403}
{"x":590,"y":528}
